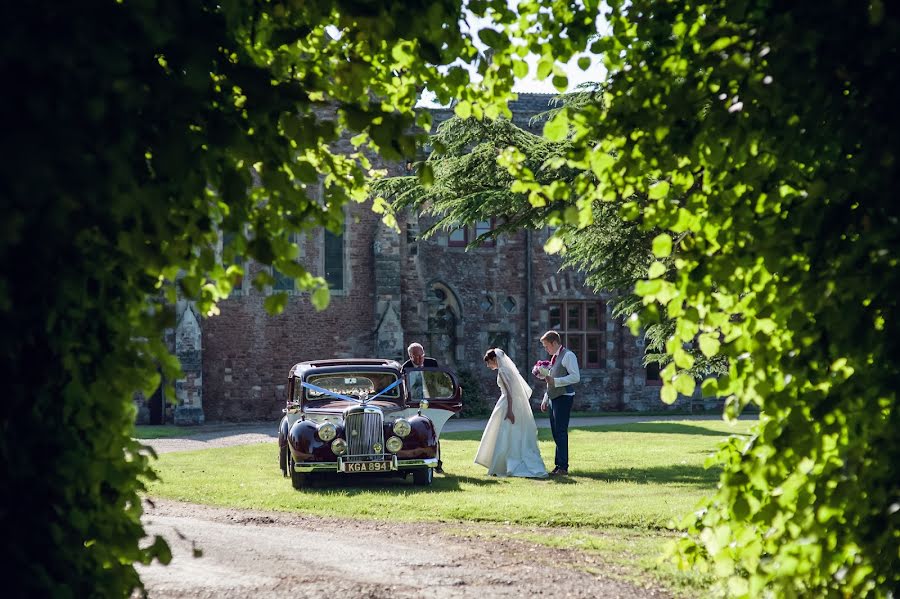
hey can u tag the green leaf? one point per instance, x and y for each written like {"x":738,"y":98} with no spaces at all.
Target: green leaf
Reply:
{"x":662,"y":245}
{"x":649,"y":288}
{"x":426,"y":174}
{"x":685,"y":384}
{"x":493,"y":39}
{"x":722,"y":43}
{"x":463,"y":109}
{"x":544,"y":67}
{"x":584,"y":63}
{"x":600,"y":162}
{"x":553,"y":245}
{"x":668,"y":394}
{"x":709,"y":344}
{"x":658,"y":190}
{"x":657,"y":269}
{"x":560,"y":82}
{"x":520,"y":69}
{"x":321,"y":297}
{"x":683,"y":359}
{"x":557,"y":128}
{"x":710,"y":388}
{"x":275,"y":303}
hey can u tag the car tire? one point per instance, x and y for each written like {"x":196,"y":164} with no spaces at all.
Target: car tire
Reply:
{"x":298,"y":480}
{"x":283,"y":460}
{"x":423,"y":476}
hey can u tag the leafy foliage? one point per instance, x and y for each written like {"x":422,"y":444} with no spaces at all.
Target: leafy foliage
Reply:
{"x":140,"y":135}
{"x":765,"y":138}
{"x":476,"y":403}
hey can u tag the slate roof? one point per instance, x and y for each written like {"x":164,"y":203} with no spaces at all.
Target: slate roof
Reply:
{"x":526,"y":106}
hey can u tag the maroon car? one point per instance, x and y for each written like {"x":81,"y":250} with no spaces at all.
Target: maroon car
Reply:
{"x":363,"y":416}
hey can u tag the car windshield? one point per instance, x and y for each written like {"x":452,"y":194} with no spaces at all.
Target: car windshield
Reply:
{"x":352,"y":384}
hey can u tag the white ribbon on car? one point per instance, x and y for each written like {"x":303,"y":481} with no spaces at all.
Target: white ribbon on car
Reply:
{"x":334,"y":394}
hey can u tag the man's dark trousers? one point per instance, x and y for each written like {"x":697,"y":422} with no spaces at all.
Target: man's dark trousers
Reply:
{"x":560,"y":410}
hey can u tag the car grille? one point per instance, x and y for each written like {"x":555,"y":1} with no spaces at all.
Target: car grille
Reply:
{"x":363,"y":432}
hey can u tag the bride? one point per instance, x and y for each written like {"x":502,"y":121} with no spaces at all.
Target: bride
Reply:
{"x":509,"y":443}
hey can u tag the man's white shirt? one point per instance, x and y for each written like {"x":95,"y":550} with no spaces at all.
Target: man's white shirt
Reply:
{"x":570,"y":363}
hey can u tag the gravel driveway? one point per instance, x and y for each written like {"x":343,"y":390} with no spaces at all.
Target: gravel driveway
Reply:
{"x":247,"y":553}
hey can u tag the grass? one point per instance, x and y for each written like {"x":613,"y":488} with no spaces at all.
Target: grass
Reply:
{"x":628,"y":483}
{"x":579,"y":414}
{"x":168,"y":431}
{"x":161,"y":431}
{"x":632,"y":555}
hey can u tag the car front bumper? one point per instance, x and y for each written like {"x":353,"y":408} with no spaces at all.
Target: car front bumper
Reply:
{"x":395,"y":465}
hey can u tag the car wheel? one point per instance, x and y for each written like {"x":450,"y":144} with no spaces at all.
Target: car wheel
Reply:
{"x":283,"y":460}
{"x":423,"y":476}
{"x":298,"y":480}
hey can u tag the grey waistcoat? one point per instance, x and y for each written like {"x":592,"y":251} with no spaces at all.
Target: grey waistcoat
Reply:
{"x":557,"y":370}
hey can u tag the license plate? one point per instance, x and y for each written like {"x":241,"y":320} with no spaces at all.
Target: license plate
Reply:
{"x":367,"y":466}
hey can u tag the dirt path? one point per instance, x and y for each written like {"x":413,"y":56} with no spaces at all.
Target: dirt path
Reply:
{"x":248,"y":553}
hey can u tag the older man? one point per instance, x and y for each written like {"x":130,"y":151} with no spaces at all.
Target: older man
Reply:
{"x":417,"y":359}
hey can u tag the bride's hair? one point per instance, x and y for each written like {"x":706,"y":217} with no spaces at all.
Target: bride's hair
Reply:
{"x":490,"y":355}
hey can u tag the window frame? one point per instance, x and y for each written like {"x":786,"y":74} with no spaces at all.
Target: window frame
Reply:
{"x":454,"y":243}
{"x":343,"y":258}
{"x":492,"y":224}
{"x":225,"y":239}
{"x":650,"y":381}
{"x":586,"y":336}
{"x":278,"y":276}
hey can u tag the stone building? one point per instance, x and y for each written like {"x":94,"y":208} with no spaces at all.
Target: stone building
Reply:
{"x":390,"y":289}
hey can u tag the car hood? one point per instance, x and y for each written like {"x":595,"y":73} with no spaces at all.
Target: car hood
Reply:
{"x":337,"y":406}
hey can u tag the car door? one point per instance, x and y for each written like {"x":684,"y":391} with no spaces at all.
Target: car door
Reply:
{"x":437,"y":385}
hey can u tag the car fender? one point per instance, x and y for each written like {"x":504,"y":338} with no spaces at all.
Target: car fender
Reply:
{"x":305,"y":444}
{"x":283,"y":429}
{"x":421,"y":442}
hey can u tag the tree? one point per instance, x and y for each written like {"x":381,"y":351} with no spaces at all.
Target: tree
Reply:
{"x":138,"y":135}
{"x":465,"y":184}
{"x":765,"y":136}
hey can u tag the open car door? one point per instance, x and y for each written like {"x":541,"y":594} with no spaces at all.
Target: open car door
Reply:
{"x":436,"y":385}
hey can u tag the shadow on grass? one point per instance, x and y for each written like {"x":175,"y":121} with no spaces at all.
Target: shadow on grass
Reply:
{"x":204,"y":432}
{"x":356,"y":485}
{"x":657,"y":428}
{"x":677,"y":473}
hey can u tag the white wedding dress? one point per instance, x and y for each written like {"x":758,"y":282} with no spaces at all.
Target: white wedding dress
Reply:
{"x":509,"y":449}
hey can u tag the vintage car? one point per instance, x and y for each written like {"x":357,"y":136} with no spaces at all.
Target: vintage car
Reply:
{"x":363,"y":416}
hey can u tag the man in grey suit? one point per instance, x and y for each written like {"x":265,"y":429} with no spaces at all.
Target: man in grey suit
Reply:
{"x":560,"y":396}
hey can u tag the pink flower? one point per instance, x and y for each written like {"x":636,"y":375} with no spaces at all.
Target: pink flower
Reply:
{"x":536,"y":369}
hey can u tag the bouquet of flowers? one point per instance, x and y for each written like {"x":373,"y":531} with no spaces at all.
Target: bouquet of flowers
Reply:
{"x":541,"y":369}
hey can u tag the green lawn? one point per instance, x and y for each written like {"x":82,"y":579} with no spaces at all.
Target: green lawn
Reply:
{"x":627,"y":484}
{"x":161,"y":431}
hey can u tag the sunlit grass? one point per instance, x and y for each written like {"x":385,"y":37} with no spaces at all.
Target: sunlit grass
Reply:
{"x":628,"y":483}
{"x":161,"y":431}
{"x":635,"y":475}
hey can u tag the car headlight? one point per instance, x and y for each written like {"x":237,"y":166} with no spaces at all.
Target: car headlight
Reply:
{"x":394,"y":444}
{"x":423,"y":405}
{"x":338,"y":447}
{"x":327,"y":431}
{"x":401,"y":427}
